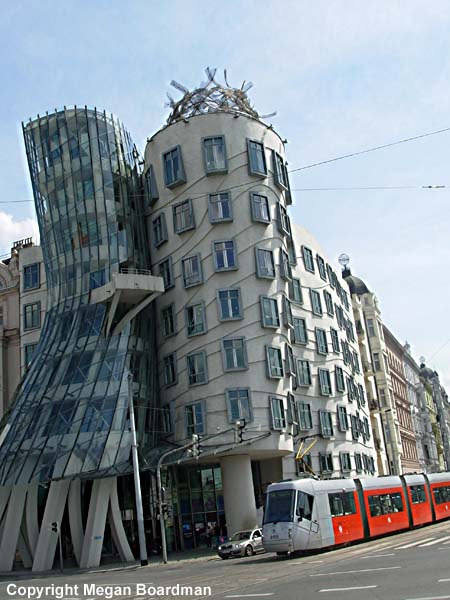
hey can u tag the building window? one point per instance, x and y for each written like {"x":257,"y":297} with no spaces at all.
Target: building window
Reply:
{"x":265,"y":264}
{"x":291,"y":252}
{"x":366,"y":429}
{"x":316,"y":303}
{"x":260,"y":208}
{"x":183,"y":216}
{"x":234,"y":354}
{"x":351,"y":390}
{"x":376,"y":361}
{"x":295,"y":291}
{"x":328,"y":303}
{"x":326,"y":463}
{"x":215,"y":155}
{"x":220,"y":208}
{"x":339,"y":378}
{"x":173,"y":168}
{"x":78,"y":369}
{"x":358,"y":463}
{"x":167,"y":421}
{"x":32,"y":315}
{"x":287,"y":312}
{"x":269,"y":312}
{"x":31,"y":279}
{"x":285,"y":266}
{"x":355,"y":427}
{"x":335,"y":340}
{"x":195,"y":319}
{"x":326,"y":425}
{"x":280,"y":171}
{"x":304,"y":415}
{"x":195,"y":421}
{"x":321,"y":266}
{"x":308,"y":259}
{"x":291,"y":409}
{"x":97,"y":279}
{"x":321,"y":341}
{"x":325,"y":382}
{"x":229,"y":304}
{"x":256,"y":158}
{"x":170,"y":369}
{"x":192,"y":270}
{"x":274,"y":362}
{"x":159,"y":230}
{"x":169,"y":320}
{"x":370,"y":327}
{"x":303,"y":372}
{"x":300,"y":465}
{"x":197,"y":369}
{"x":224,"y":255}
{"x":284,"y":223}
{"x":356,"y":363}
{"x":28,"y":354}
{"x":300,"y":331}
{"x":166,"y":272}
{"x":289,"y":358}
{"x":342,"y":418}
{"x":344,"y":458}
{"x":239,"y":407}
{"x":150,"y":184}
{"x":278,"y":413}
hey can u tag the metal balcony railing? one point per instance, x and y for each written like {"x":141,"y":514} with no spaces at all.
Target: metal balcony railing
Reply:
{"x":131,"y":271}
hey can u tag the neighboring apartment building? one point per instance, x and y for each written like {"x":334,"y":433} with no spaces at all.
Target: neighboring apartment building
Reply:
{"x":441,"y":406}
{"x":399,"y":390}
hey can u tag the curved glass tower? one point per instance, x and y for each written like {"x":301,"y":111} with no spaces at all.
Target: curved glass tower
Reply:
{"x":70,"y":416}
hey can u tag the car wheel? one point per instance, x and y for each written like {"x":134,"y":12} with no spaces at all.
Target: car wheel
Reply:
{"x":282,"y":553}
{"x":249,"y":551}
{"x":224,"y":557}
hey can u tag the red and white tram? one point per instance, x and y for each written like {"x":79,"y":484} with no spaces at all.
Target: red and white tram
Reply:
{"x":308,"y":514}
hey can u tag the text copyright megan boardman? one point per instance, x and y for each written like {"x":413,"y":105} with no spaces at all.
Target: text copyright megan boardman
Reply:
{"x":47,"y":592}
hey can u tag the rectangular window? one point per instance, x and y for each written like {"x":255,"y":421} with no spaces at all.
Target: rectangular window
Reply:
{"x":285,"y":266}
{"x":170,"y":369}
{"x":274,"y":362}
{"x":278,"y":413}
{"x":265,"y":264}
{"x":229,"y":304}
{"x":325,"y":382}
{"x":326,"y":463}
{"x":28,"y":354}
{"x":292,"y":252}
{"x":370,"y":327}
{"x":418,"y":494}
{"x":220,"y":208}
{"x":355,"y":427}
{"x":238,"y":401}
{"x":183,"y":216}
{"x":166,"y":417}
{"x":225,"y":258}
{"x":159,"y":230}
{"x":339,"y":379}
{"x":344,"y":459}
{"x":78,"y":369}
{"x":376,"y":361}
{"x":214,"y":153}
{"x":328,"y":303}
{"x":304,"y":415}
{"x":195,"y":319}
{"x":321,"y":267}
{"x":234,"y":354}
{"x":169,"y":320}
{"x":260,"y":208}
{"x":289,"y":361}
{"x":32,"y":315}
{"x":256,"y":158}
{"x":303,"y":372}
{"x":295,"y":291}
{"x":269,"y":312}
{"x":361,"y":394}
{"x":300,"y":465}
{"x":151,"y":188}
{"x":31,"y":279}
{"x":196,"y":367}
{"x":342,"y":503}
{"x":326,"y":424}
{"x":291,"y":409}
{"x":284,"y":223}
{"x":308,"y":259}
{"x":358,"y":463}
{"x":173,"y":168}
{"x":195,"y":421}
{"x":192,"y":270}
{"x":321,"y":341}
{"x":365,"y":429}
{"x":97,"y":279}
{"x":342,"y":418}
{"x":280,"y":171}
{"x":316,"y":303}
{"x":335,"y":340}
{"x":287,"y":312}
{"x":331,"y":276}
{"x":351,"y":389}
{"x":166,"y":272}
{"x":300,"y":331}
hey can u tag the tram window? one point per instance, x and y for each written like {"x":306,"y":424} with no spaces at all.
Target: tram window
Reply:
{"x":397,"y":502}
{"x":279,"y":506}
{"x":441,"y":494}
{"x":304,"y":505}
{"x":418,"y":494}
{"x":375,"y":506}
{"x":385,"y":504}
{"x":342,"y":504}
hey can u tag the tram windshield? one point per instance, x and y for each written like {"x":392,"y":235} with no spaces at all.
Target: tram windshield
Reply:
{"x":279,"y":506}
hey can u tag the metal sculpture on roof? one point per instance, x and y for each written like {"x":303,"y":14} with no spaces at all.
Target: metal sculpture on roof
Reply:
{"x":211,"y":96}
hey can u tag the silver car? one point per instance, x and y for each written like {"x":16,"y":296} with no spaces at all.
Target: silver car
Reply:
{"x":242,"y":543}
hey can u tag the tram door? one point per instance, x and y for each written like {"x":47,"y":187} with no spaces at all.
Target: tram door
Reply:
{"x":301,"y":530}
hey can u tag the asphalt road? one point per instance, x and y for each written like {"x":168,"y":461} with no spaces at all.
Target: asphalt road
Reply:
{"x":410,"y":566}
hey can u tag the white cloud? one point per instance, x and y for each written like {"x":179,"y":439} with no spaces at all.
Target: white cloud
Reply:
{"x":12,"y":230}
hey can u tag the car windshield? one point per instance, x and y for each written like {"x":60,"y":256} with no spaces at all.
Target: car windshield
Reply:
{"x":241,"y":535}
{"x":279,"y":506}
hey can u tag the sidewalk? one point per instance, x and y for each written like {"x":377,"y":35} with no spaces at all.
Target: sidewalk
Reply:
{"x":203,"y":554}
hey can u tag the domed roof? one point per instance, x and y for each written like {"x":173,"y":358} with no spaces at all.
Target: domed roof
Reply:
{"x":356,"y":285}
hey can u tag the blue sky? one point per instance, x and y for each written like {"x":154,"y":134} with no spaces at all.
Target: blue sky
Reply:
{"x":342,"y":76}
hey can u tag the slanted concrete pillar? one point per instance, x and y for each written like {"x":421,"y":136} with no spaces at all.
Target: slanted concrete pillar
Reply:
{"x":95,"y":527}
{"x":238,"y":494}
{"x":11,"y":529}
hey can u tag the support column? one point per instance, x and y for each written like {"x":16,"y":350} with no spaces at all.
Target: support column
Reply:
{"x":75,"y":518}
{"x":95,"y":526}
{"x":11,"y":530}
{"x":238,"y":494}
{"x":117,"y":528}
